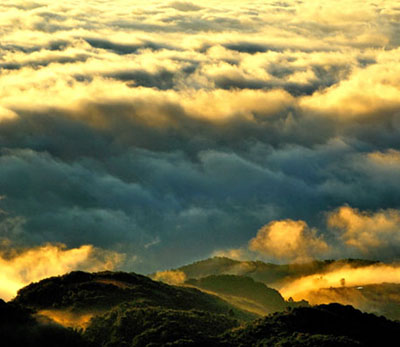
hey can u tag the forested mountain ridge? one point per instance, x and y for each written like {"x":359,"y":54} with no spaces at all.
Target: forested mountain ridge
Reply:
{"x":267,"y":273}
{"x":132,"y":310}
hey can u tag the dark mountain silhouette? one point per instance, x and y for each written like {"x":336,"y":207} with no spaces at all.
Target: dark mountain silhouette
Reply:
{"x":99,"y":292}
{"x":18,"y":327}
{"x":324,"y":325}
{"x":133,"y":310}
{"x":156,"y":326}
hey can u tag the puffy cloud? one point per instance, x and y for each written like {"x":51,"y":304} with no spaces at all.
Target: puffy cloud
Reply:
{"x":288,"y":240}
{"x":368,"y":232}
{"x":349,"y":232}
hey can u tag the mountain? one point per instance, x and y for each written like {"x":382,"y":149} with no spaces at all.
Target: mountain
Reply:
{"x":81,"y":294}
{"x":325,"y":325}
{"x":129,"y":310}
{"x":381,"y":299}
{"x":18,"y":327}
{"x":157,"y":326}
{"x":266,"y":272}
{"x":243,"y":292}
{"x":331,"y":325}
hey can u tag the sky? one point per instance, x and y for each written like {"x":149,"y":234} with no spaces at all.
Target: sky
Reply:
{"x":144,"y":135}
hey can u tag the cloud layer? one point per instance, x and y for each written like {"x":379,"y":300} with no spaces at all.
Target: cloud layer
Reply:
{"x":304,"y":287}
{"x":171,"y":130}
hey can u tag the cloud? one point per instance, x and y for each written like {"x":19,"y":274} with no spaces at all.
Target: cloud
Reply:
{"x":162,"y":80}
{"x":184,"y":6}
{"x":288,"y":240}
{"x":197,"y":123}
{"x":173,"y":277}
{"x":349,"y":232}
{"x":366,"y":231}
{"x":374,"y":274}
{"x":236,"y":254}
{"x":251,"y":48}
{"x":6,"y":114}
{"x":389,"y":158}
{"x":45,"y":61}
{"x":30,"y":265}
{"x":122,"y":48}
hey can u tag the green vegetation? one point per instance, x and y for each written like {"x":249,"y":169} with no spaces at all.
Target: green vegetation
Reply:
{"x":80,"y":291}
{"x":252,"y":293}
{"x":132,"y":326}
{"x":324,"y":325}
{"x":381,"y":299}
{"x":132,"y":310}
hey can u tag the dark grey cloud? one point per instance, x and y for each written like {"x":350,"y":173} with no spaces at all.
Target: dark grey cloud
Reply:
{"x":48,"y":16}
{"x":253,"y":47}
{"x":163,"y":79}
{"x":325,"y":77}
{"x":365,"y":61}
{"x":127,"y":126}
{"x":189,"y":24}
{"x":50,"y":26}
{"x":45,"y":62}
{"x":184,"y":6}
{"x":121,"y":48}
{"x":31,"y":5}
{"x":53,"y":45}
{"x":295,"y":89}
{"x":194,"y":188}
{"x":281,"y":71}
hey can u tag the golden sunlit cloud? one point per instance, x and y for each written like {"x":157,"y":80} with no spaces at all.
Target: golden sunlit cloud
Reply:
{"x":344,"y":276}
{"x":173,"y":277}
{"x":366,"y":231}
{"x":34,"y":264}
{"x":288,"y":240}
{"x":76,"y":320}
{"x":390,"y":158}
{"x":6,"y":114}
{"x":353,"y":232}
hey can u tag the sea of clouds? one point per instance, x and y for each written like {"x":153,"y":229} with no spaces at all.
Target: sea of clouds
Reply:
{"x":170,"y":131}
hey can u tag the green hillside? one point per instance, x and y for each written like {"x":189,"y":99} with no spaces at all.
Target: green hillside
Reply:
{"x":243,"y":291}
{"x":133,"y":310}
{"x":156,"y":326}
{"x":99,"y":292}
{"x":381,"y":299}
{"x":325,"y":325}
